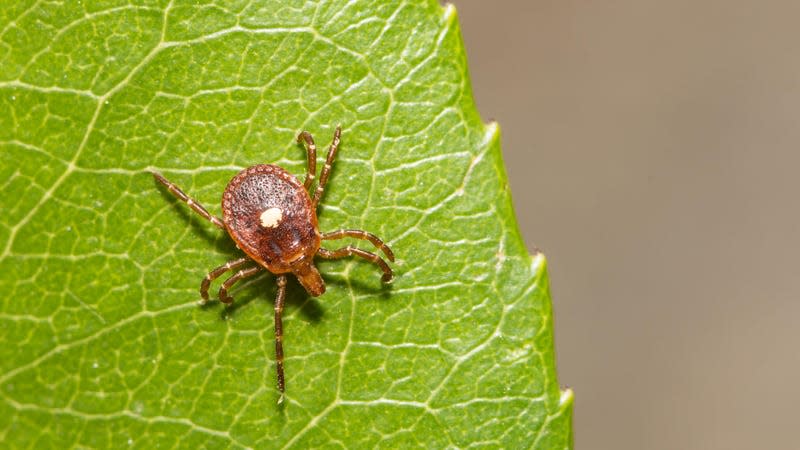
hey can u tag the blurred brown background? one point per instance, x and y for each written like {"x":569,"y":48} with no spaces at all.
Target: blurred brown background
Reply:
{"x":653,"y":149}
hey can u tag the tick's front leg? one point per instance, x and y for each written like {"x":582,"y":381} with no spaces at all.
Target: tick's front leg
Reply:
{"x":197,"y":207}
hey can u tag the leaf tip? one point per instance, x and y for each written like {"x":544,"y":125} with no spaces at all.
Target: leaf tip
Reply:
{"x":492,"y":130}
{"x":449,"y":11}
{"x":566,"y":398}
{"x":538,"y":260}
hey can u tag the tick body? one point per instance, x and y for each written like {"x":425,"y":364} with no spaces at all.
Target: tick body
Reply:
{"x":272,"y":218}
{"x":269,"y":214}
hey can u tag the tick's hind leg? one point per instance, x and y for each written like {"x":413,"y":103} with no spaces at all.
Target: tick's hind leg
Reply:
{"x":197,"y":207}
{"x":242,"y":274}
{"x":311,"y":150}
{"x":361,"y":234}
{"x":353,"y":251}
{"x":279,"y":300}
{"x":214,"y":274}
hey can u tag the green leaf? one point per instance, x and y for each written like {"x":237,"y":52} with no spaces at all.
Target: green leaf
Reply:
{"x":105,"y":346}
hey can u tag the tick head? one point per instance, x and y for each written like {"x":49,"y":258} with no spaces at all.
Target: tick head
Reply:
{"x":309,"y":277}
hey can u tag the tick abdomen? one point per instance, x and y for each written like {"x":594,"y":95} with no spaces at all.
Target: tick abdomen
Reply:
{"x":268,"y":213}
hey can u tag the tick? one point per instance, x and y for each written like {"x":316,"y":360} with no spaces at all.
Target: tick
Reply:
{"x":272,"y":218}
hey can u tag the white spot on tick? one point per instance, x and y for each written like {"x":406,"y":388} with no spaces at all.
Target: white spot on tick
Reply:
{"x":271,"y":217}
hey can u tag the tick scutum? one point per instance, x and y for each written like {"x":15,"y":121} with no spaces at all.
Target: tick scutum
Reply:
{"x":268,"y":213}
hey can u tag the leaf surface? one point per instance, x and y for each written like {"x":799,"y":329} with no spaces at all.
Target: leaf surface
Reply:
{"x":105,"y":346}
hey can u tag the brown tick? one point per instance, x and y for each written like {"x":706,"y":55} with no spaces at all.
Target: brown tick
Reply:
{"x":273,"y":219}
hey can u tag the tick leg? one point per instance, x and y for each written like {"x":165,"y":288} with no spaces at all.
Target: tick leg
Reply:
{"x":244,"y":273}
{"x":361,"y":234}
{"x":311,"y":149}
{"x":214,"y":274}
{"x":279,"y":300}
{"x":197,"y":207}
{"x":326,"y":171}
{"x":349,"y":250}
